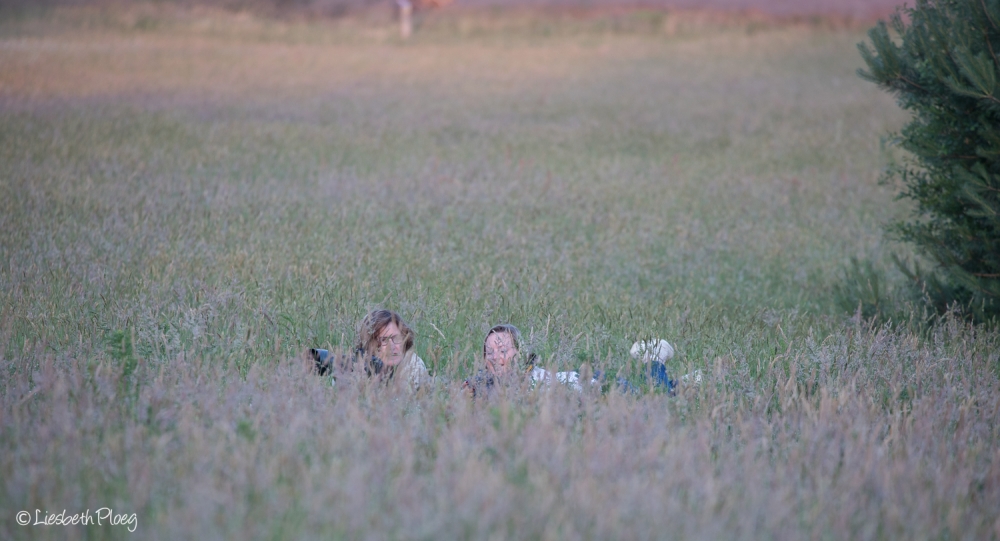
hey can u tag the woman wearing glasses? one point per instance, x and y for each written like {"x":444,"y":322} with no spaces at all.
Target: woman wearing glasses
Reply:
{"x":385,"y":349}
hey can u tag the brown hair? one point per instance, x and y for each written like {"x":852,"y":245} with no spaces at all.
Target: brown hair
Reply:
{"x":527,"y":360}
{"x":372,"y":326}
{"x":515,"y":335}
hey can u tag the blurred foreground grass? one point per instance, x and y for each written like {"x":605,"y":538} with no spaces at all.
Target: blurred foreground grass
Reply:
{"x":187,"y":204}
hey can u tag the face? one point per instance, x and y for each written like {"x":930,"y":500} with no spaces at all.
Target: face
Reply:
{"x":500,"y":353}
{"x":390,"y":345}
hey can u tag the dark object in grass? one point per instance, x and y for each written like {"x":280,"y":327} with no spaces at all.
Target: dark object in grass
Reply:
{"x":325,"y":363}
{"x":321,"y":358}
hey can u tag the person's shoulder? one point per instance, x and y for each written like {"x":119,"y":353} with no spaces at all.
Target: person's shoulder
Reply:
{"x":416,"y":363}
{"x":415,"y":370}
{"x":540,"y":375}
{"x":571,"y":379}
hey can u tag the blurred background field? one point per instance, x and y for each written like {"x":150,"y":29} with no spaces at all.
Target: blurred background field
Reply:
{"x":191,"y":197}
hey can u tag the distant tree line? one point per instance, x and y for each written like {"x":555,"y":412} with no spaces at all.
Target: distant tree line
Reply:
{"x":327,"y":8}
{"x":857,"y":9}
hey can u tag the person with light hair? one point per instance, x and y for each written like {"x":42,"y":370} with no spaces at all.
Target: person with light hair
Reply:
{"x":383,"y":349}
{"x":654,"y":354}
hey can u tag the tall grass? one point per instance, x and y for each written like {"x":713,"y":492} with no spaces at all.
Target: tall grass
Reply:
{"x":184,"y":211}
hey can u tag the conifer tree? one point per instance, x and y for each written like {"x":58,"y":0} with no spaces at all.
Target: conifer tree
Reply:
{"x":940,"y":60}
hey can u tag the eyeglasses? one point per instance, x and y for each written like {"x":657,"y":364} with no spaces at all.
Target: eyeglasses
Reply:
{"x":394,"y":339}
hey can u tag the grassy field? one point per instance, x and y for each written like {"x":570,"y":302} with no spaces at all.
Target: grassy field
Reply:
{"x":188,"y":200}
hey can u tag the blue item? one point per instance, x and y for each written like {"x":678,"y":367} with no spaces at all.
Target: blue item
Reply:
{"x":657,"y":373}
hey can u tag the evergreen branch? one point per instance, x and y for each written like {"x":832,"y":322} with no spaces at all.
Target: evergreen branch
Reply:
{"x":988,"y":18}
{"x":911,"y":83}
{"x":980,"y":94}
{"x":986,"y":35}
{"x":950,"y":80}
